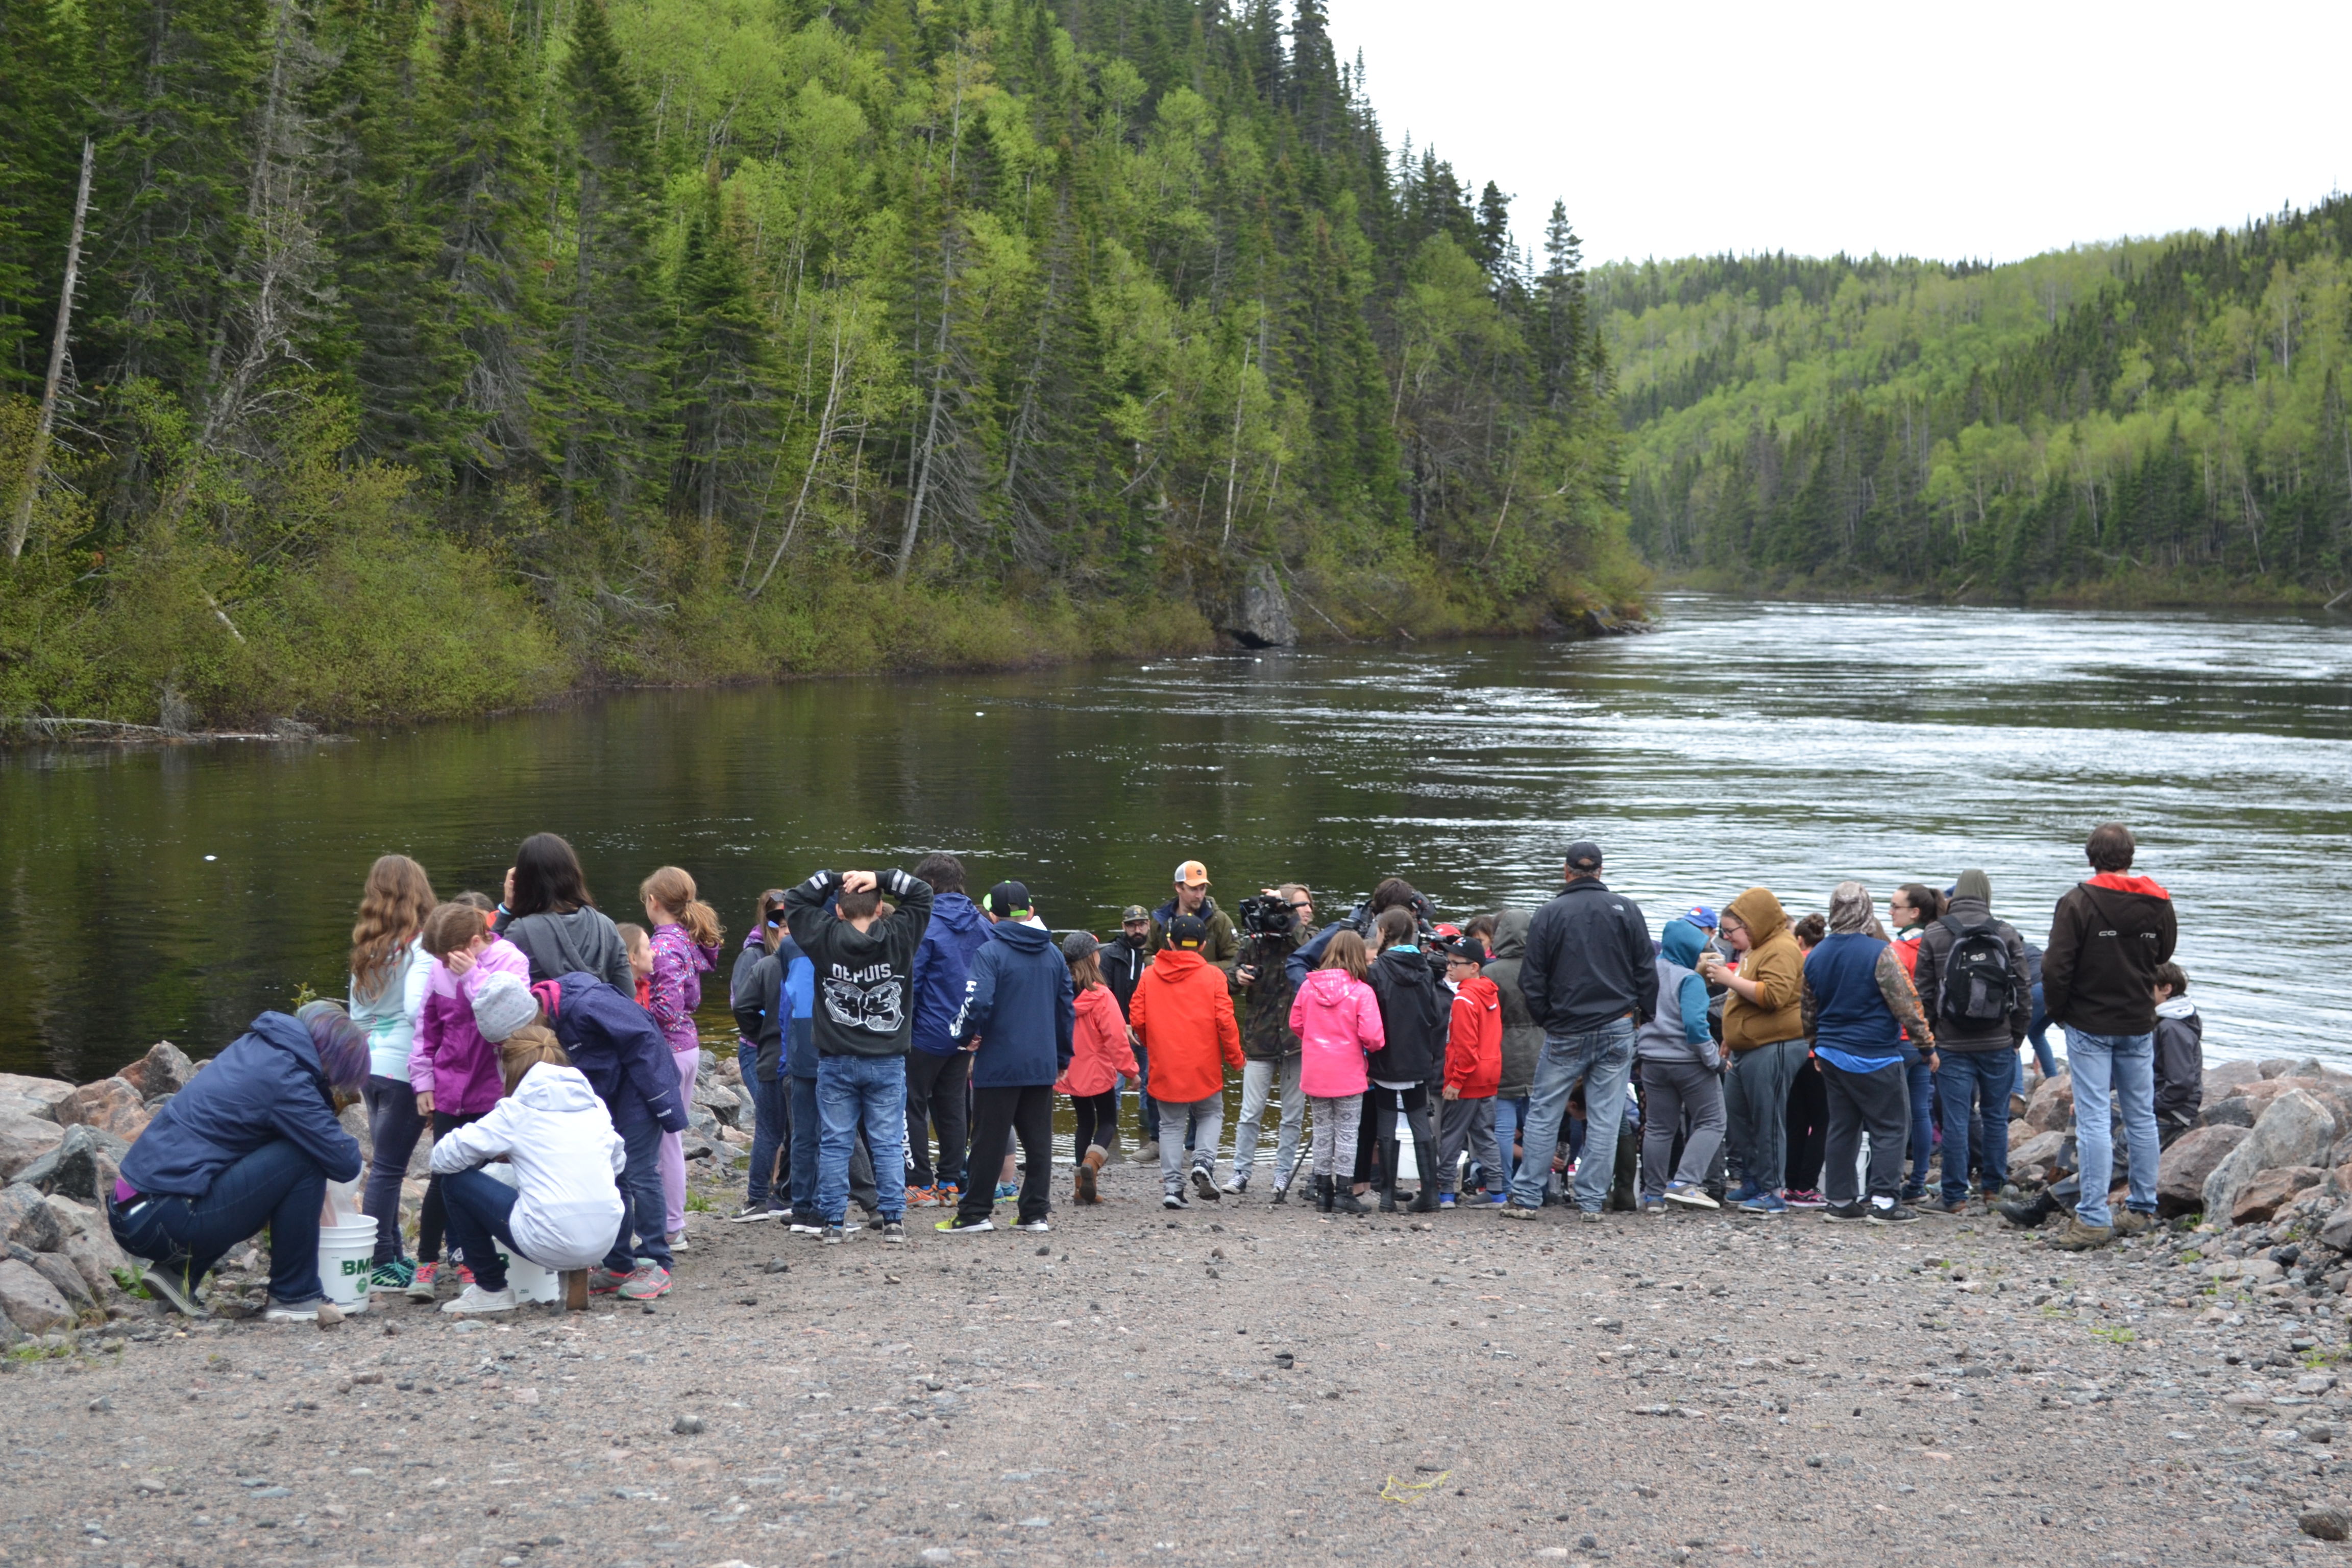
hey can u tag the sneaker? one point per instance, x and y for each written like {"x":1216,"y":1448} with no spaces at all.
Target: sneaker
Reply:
{"x":293,"y":1311}
{"x":392,"y":1276}
{"x":1497,"y":1200}
{"x":649,"y":1282}
{"x":474,"y":1299}
{"x":800,"y":1226}
{"x":2132,"y":1221}
{"x":168,"y":1282}
{"x":1803,"y":1198}
{"x":677,"y":1242}
{"x":465,"y":1275}
{"x":1651,"y":1206}
{"x":850,"y":1227}
{"x":1445,"y":1200}
{"x":603,"y":1281}
{"x":1236,"y":1185}
{"x":1173,"y":1201}
{"x":1206,"y":1184}
{"x":1900,"y":1214}
{"x":1941,"y":1204}
{"x":893,"y":1232}
{"x":1742,"y":1192}
{"x":1587,"y":1216}
{"x":1034,"y":1227}
{"x":960,"y":1223}
{"x":751,"y":1212}
{"x":1008,"y":1192}
{"x":1691,"y":1194}
{"x":922,"y":1197}
{"x":2080,"y":1237}
{"x":833,"y":1234}
{"x":1515,"y":1211}
{"x":422,"y":1280}
{"x":948,"y":1194}
{"x":1765,"y":1204}
{"x":1852,"y":1211}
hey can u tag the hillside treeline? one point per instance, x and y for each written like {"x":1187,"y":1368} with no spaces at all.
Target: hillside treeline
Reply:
{"x":434,"y":355}
{"x":2150,"y":420}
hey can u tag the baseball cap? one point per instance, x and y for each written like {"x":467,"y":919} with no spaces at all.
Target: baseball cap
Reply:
{"x":1583,"y":856}
{"x":1188,"y":932}
{"x":1133,"y":913}
{"x":1701,"y":915}
{"x":1468,"y":948}
{"x":1006,"y":898}
{"x":1079,"y":944}
{"x":1192,"y":874}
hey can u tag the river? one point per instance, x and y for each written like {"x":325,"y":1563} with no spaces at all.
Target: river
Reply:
{"x":175,"y":892}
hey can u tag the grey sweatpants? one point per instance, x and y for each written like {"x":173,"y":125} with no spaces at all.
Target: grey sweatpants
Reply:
{"x":1756,"y":1107}
{"x":1670,"y":1089}
{"x":1210,"y":1129}
{"x":1878,"y":1103}
{"x":1467,"y":1124}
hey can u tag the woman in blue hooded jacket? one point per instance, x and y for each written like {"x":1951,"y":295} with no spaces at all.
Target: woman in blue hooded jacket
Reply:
{"x":1018,"y":1017}
{"x":252,"y":1141}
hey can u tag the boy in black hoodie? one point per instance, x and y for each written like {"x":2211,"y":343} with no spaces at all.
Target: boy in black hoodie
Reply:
{"x":865,"y":1019}
{"x":2179,"y":1056}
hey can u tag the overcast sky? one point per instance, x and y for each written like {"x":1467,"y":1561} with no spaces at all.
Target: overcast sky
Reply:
{"x":1996,"y":130}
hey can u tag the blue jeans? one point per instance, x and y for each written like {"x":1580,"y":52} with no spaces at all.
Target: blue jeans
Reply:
{"x":645,"y":1208}
{"x":770,"y":1126}
{"x":864,"y":1094}
{"x":1963,"y":1076}
{"x":277,"y":1186}
{"x":1603,"y":1059}
{"x":2038,"y":1031}
{"x":1510,"y":1115}
{"x":2127,"y":1064}
{"x":1921,"y":1084}
{"x":480,"y":1210}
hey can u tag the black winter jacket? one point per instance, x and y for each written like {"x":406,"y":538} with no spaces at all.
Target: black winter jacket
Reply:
{"x":1412,"y":1016}
{"x":1590,"y":961}
{"x":2107,"y":937}
{"x":1123,"y":963}
{"x":864,"y":980}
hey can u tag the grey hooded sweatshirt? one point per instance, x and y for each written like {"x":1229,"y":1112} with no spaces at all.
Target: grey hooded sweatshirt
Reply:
{"x":1523,"y":1037}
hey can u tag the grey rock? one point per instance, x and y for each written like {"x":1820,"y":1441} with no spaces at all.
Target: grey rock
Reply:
{"x":164,"y":1070}
{"x":64,"y":1279}
{"x":1261,"y":614}
{"x":722,"y":1102}
{"x":42,"y":1096}
{"x":24,"y":1139}
{"x":2325,"y":1523}
{"x":354,"y":1118}
{"x":30,"y":1300}
{"x":2288,"y":1067}
{"x":2231,"y":1110}
{"x":687,"y":1425}
{"x":2182,"y":1173}
{"x":26,"y":1219}
{"x":88,"y":1244}
{"x":82,"y":1166}
{"x":2297,"y":1130}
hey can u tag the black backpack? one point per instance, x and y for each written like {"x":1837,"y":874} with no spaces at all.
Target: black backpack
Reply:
{"x":1977,"y":980}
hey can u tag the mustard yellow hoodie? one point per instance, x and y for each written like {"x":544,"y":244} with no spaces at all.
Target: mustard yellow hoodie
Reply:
{"x":1777,"y":965}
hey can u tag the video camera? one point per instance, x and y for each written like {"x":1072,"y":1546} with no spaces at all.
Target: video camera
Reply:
{"x":1267,"y":915}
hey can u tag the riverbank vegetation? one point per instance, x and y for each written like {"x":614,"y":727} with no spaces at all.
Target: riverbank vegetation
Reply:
{"x":2138,"y":423}
{"x":430,"y":356}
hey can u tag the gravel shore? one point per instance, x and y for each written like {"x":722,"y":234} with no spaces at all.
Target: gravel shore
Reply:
{"x":1237,"y":1382}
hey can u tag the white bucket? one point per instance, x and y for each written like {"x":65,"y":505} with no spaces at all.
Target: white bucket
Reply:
{"x":528,"y":1280}
{"x":1408,"y":1157}
{"x":346,"y":1258}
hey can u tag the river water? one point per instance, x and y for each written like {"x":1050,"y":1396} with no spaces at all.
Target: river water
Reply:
{"x":176,"y":892}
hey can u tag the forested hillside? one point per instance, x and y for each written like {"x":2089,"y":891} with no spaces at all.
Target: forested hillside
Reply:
{"x":434,"y":355}
{"x":2149,"y":421}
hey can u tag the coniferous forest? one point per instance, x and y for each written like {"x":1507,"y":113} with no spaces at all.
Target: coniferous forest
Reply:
{"x":428,"y":356}
{"x":2143,"y":422}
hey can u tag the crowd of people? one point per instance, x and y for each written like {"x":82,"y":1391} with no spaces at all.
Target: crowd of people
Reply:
{"x":902,"y":1045}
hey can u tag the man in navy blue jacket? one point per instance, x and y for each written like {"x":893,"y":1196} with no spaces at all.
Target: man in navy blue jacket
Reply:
{"x":1019,"y":1009}
{"x":936,"y":1067}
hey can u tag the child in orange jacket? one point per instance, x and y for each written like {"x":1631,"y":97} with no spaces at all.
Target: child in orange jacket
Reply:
{"x":1474,"y":1071}
{"x":1183,"y":1013}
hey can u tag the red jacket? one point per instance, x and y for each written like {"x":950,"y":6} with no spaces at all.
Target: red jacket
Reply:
{"x":1098,"y":1048}
{"x":1185,"y":1015}
{"x":1474,"y":1047}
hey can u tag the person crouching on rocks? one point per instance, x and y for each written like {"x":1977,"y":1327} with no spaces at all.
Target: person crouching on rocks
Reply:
{"x":562,"y":1209}
{"x":251,"y":1143}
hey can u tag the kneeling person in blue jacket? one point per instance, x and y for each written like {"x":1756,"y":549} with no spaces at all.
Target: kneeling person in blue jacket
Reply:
{"x":1019,"y":1009}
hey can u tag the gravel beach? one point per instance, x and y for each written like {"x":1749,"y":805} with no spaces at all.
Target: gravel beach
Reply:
{"x":1235,"y":1382}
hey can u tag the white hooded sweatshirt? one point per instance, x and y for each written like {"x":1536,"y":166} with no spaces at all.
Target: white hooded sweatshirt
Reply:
{"x":560,"y":1139}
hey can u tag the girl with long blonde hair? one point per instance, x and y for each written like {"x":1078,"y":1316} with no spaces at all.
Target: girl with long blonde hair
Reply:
{"x":389,"y":969}
{"x":686,"y":934}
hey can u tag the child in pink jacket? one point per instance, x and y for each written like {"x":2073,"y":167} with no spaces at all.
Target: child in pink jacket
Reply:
{"x":453,"y":1069}
{"x":685,"y":946}
{"x":1338,"y":1021}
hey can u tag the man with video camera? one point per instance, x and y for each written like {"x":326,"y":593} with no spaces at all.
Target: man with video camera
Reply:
{"x":1273,"y":925}
{"x":1392,"y":893}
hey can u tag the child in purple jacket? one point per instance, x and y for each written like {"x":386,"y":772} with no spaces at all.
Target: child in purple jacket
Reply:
{"x":685,"y":947}
{"x":454,"y":1070}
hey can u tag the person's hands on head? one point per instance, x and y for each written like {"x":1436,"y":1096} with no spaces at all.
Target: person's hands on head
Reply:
{"x":859,"y":882}
{"x":459,"y":961}
{"x":507,"y":898}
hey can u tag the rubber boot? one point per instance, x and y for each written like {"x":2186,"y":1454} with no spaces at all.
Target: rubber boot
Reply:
{"x":1388,"y":1176}
{"x":1324,"y":1187}
{"x":1344,"y":1199}
{"x":1427,"y":1201}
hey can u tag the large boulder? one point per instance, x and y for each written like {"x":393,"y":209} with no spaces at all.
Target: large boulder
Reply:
{"x":27,"y":1220}
{"x":2288,"y":1067}
{"x":2053,"y":1105}
{"x":2180,"y":1177}
{"x":2230,"y":1111}
{"x":722,"y":1101}
{"x":2034,"y":1148}
{"x":83,"y":1165}
{"x":2298,"y":1128}
{"x":1261,"y":614}
{"x":41,"y":1094}
{"x":29,"y":1301}
{"x":2224,"y":1078}
{"x":164,"y":1070}
{"x":88,"y":1244}
{"x":2269,"y":1191}
{"x":2337,"y":1232}
{"x":62,"y":1278}
{"x":25,"y":1139}
{"x":111,"y":1104}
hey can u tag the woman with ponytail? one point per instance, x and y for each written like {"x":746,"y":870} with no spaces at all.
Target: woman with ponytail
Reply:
{"x":388,"y":971}
{"x":685,"y":947}
{"x":251,"y":1143}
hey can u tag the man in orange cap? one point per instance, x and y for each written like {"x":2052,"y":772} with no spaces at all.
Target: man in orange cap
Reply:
{"x":1223,"y":948}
